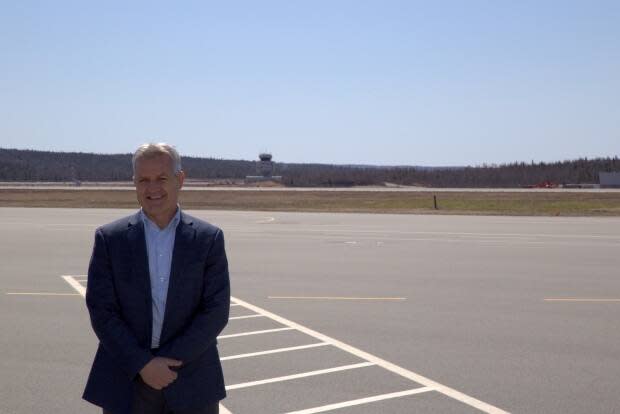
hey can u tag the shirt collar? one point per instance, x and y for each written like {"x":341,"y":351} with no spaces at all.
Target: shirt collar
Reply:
{"x":151,"y":224}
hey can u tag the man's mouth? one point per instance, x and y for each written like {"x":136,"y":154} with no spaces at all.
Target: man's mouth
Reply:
{"x":158,"y":197}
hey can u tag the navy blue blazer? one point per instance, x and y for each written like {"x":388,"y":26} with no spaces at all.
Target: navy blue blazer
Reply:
{"x":118,"y":297}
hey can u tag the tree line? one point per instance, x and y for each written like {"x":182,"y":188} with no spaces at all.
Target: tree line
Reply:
{"x":30,"y":165}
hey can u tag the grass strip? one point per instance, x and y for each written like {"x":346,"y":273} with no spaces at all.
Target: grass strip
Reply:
{"x":488,"y":203}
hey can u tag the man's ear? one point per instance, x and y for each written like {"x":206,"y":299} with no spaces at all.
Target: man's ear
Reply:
{"x":181,"y":178}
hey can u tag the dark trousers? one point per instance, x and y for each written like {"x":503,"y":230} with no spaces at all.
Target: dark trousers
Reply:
{"x":147,"y":400}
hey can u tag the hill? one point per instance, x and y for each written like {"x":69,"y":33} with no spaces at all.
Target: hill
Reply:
{"x":31,"y":165}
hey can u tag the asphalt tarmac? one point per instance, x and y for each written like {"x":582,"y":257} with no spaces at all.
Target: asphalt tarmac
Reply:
{"x":193,"y":186}
{"x":357,"y":313}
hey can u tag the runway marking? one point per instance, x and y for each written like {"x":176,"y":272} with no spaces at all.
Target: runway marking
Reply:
{"x":435,"y":386}
{"x":333,"y":298}
{"x":246,"y":317}
{"x":43,"y":294}
{"x":234,"y":304}
{"x":254,"y":332}
{"x":451,"y":237}
{"x":75,"y":284}
{"x":428,"y":384}
{"x":82,"y":292}
{"x":18,"y":223}
{"x":71,"y":225}
{"x":300,"y":375}
{"x":267,"y":220}
{"x":582,"y":300}
{"x":273,"y":351}
{"x":344,"y":232}
{"x":360,"y":401}
{"x":496,"y":241}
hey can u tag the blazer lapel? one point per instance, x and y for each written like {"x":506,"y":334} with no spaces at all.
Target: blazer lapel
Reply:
{"x":140,"y":264}
{"x":183,"y":239}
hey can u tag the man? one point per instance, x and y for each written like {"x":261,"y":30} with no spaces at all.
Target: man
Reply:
{"x":158,"y":295}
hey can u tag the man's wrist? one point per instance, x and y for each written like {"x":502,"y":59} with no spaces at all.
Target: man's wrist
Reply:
{"x":144,"y":360}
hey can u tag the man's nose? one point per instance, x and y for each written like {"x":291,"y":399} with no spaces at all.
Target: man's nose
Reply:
{"x":153,"y":185}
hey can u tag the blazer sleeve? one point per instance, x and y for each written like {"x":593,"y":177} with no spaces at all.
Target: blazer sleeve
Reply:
{"x":105,"y":315}
{"x":212,"y":314}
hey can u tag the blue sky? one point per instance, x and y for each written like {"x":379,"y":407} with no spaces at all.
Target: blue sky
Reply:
{"x":368,"y":82}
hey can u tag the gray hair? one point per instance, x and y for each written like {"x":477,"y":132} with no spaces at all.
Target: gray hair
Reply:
{"x":151,"y":150}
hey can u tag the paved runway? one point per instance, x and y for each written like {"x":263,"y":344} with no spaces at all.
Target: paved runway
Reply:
{"x":358,"y":313}
{"x":128,"y":186}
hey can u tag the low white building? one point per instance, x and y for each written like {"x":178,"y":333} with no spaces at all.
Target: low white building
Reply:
{"x":609,"y":179}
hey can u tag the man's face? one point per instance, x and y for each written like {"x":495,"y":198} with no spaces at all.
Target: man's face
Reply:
{"x":157,"y":187}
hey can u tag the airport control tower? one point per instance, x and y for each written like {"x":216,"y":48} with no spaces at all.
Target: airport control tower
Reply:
{"x":265,"y":168}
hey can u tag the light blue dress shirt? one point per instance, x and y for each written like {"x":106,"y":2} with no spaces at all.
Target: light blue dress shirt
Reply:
{"x":159,"y":247}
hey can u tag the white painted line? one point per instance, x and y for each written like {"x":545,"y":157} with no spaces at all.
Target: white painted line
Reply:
{"x":296,"y":376}
{"x":246,"y":317}
{"x":458,"y":234}
{"x":70,"y":225}
{"x":499,"y":242}
{"x":43,"y":294}
{"x":333,"y":298}
{"x":360,"y":401}
{"x":457,"y":395}
{"x":234,"y":304}
{"x":266,"y":220}
{"x":254,"y":333}
{"x":498,"y":239}
{"x":82,"y":291}
{"x":75,"y":285}
{"x":581,"y":300}
{"x":273,"y":351}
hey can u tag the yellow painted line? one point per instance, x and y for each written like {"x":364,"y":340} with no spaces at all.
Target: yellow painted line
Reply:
{"x":43,"y":294}
{"x":331,"y":298}
{"x":581,"y":300}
